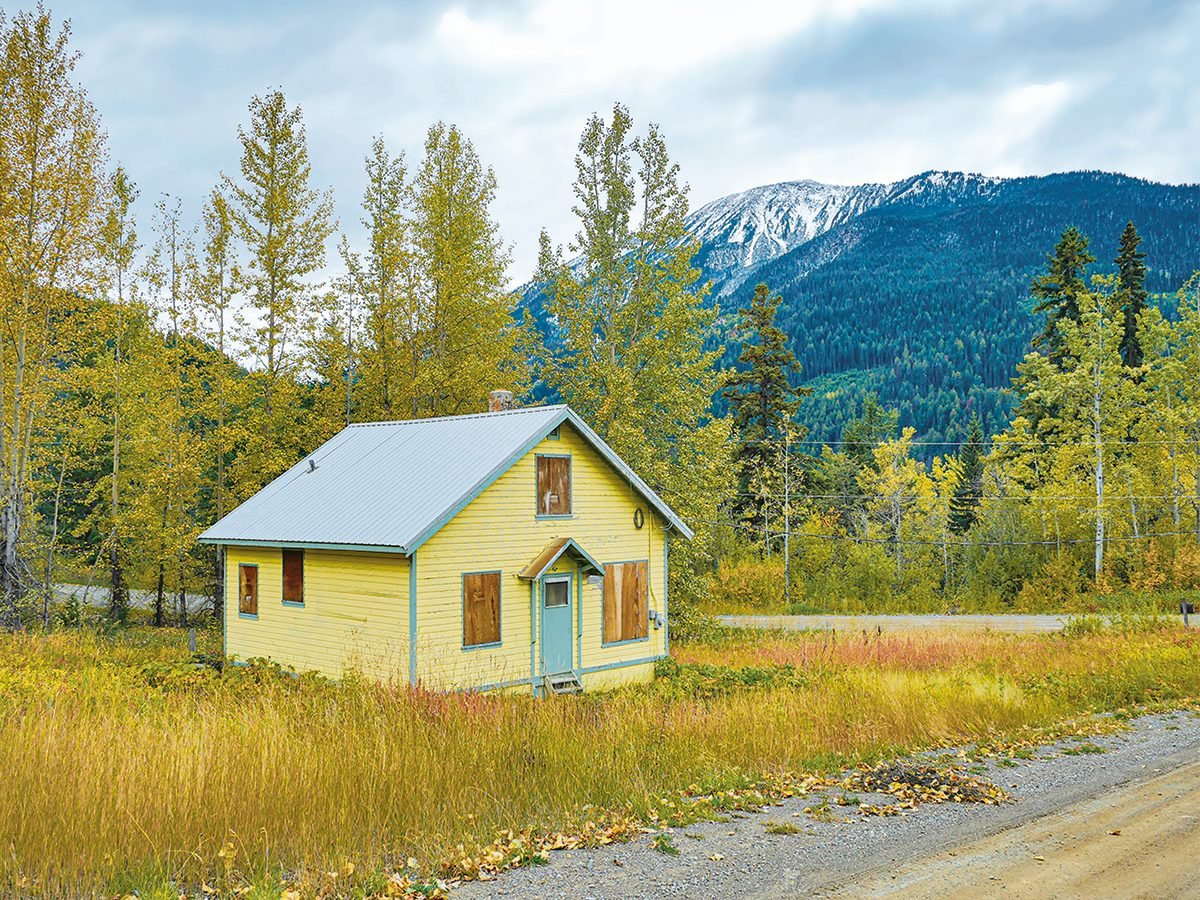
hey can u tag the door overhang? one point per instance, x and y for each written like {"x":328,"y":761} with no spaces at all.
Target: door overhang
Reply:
{"x":555,"y":550}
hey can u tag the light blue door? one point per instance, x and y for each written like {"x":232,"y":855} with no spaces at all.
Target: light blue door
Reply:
{"x":556,"y":624}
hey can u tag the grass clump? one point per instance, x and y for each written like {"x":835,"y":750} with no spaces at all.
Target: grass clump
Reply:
{"x":781,"y":828}
{"x":131,"y":764}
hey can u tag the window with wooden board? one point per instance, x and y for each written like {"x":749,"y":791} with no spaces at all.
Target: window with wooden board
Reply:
{"x":626,"y":616}
{"x":247,"y":589}
{"x":481,"y":608}
{"x":293,"y":577}
{"x":554,"y":485}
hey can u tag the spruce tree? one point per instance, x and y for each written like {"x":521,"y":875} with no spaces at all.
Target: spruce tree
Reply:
{"x":1057,"y":291}
{"x":964,"y":503}
{"x":1131,"y":290}
{"x":762,"y":397}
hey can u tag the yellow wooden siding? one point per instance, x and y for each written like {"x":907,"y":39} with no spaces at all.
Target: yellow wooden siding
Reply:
{"x":355,"y":613}
{"x":500,"y":530}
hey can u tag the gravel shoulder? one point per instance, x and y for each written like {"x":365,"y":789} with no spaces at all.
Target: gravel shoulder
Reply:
{"x":853,"y":855}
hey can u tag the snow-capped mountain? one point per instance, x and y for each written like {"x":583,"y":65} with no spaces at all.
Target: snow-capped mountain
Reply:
{"x":744,"y":230}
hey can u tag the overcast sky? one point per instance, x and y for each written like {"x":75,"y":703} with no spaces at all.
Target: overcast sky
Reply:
{"x":747,"y":92}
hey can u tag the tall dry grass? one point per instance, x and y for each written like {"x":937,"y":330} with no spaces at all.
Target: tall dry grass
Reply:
{"x":118,"y":760}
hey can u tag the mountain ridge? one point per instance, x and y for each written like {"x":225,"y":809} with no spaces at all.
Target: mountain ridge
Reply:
{"x":918,"y":289}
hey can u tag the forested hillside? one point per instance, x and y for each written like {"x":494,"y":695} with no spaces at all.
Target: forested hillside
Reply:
{"x":924,"y":299}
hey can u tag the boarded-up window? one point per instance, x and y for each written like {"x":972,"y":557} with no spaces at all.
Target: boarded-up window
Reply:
{"x":554,"y":485}
{"x":248,"y":590}
{"x":625,"y":610}
{"x":481,"y":608}
{"x":293,"y":576}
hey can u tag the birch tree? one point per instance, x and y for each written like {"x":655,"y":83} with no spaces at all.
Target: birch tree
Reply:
{"x":52,"y":168}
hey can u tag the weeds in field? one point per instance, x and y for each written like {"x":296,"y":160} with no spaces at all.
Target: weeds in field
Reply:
{"x":131,"y":765}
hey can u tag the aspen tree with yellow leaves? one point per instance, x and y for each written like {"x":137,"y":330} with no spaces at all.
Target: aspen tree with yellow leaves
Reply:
{"x":52,"y":158}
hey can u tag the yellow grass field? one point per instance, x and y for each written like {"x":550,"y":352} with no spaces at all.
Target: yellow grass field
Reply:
{"x":130,"y":767}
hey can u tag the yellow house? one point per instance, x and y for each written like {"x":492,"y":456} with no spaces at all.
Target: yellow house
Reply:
{"x":505,"y":550}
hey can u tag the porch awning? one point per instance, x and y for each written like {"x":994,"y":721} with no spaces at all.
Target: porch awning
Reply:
{"x":544,"y":561}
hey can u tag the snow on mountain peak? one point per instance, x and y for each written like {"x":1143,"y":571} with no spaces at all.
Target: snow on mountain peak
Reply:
{"x":751,"y":227}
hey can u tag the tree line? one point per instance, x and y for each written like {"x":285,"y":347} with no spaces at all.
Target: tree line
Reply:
{"x":1093,"y":488}
{"x":153,"y":374}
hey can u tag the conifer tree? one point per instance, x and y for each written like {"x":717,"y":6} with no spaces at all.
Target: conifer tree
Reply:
{"x":964,"y":502}
{"x":119,"y":245}
{"x":1057,"y":291}
{"x":1132,"y":293}
{"x":763,"y":398}
{"x":872,"y":427}
{"x":284,"y":224}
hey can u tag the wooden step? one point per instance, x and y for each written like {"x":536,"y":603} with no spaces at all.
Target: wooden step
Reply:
{"x":563,"y":683}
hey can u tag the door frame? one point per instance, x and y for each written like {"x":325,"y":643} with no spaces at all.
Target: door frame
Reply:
{"x":569,"y":579}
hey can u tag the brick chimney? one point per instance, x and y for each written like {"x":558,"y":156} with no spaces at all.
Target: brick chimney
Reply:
{"x":498,"y":401}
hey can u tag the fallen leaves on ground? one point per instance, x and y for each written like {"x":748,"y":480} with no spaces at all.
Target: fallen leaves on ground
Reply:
{"x":913,"y":784}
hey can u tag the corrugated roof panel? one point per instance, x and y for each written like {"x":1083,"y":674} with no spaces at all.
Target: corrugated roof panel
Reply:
{"x":393,"y":484}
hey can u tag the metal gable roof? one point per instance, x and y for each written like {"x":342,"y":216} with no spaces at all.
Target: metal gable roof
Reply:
{"x":393,"y":485}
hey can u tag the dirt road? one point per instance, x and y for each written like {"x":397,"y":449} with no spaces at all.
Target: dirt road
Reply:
{"x":1142,"y":840}
{"x":1144,"y":782}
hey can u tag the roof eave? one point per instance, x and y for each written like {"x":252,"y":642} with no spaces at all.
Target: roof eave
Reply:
{"x":301,"y":545}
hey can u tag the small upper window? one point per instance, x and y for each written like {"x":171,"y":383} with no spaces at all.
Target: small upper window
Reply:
{"x":248,"y":589}
{"x":555,"y":434}
{"x":554,"y":485}
{"x":293,"y":576}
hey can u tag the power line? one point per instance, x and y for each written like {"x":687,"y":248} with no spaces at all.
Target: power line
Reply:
{"x":914,"y":542}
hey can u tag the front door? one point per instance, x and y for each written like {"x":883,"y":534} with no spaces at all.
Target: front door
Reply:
{"x":556,"y":624}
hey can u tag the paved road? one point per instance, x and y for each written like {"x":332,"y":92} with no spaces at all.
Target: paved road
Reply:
{"x":1017,"y":624}
{"x":97,"y":595}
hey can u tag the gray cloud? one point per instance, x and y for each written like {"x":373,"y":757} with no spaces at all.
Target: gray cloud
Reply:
{"x":761,"y":93}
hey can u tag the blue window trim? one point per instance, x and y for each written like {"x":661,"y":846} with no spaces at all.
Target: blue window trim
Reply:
{"x":243,"y":615}
{"x":641,"y":640}
{"x":622,"y":643}
{"x":537,"y":499}
{"x":490,"y":645}
{"x":295,"y":604}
